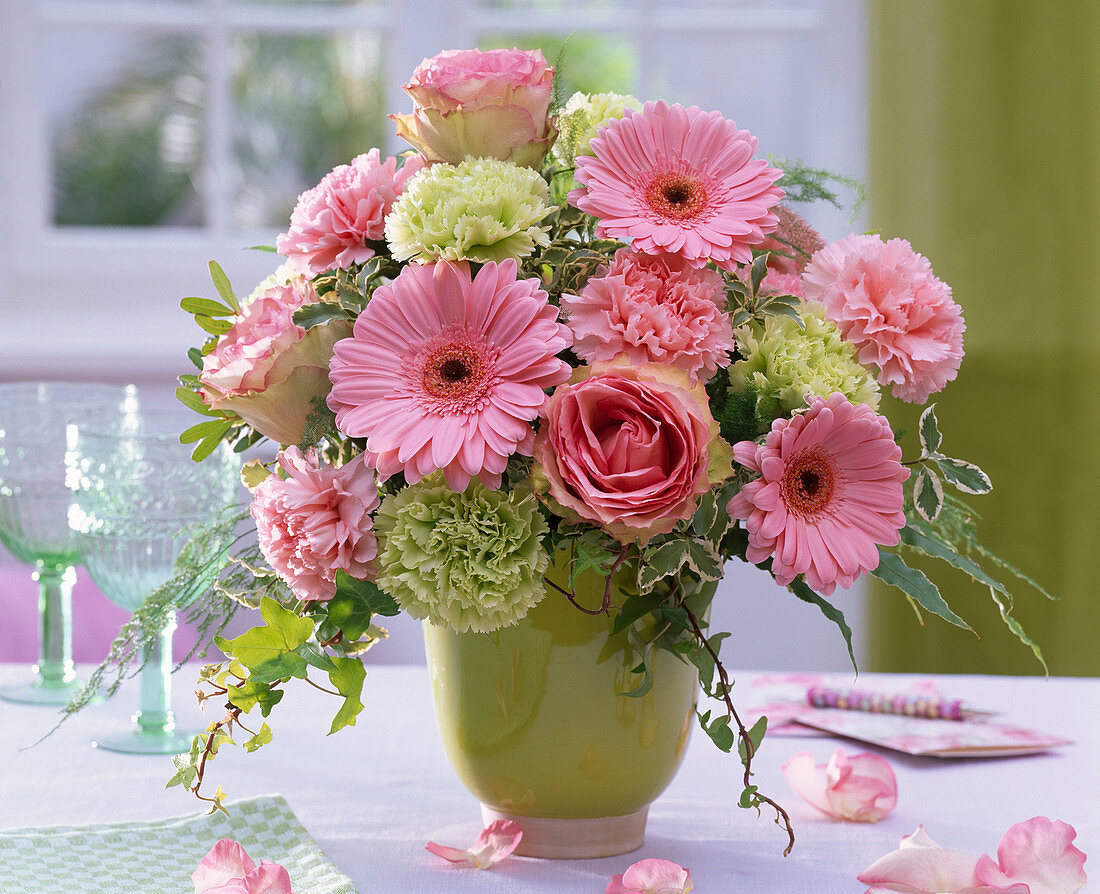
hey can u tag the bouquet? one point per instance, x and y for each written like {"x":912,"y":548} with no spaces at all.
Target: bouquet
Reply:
{"x":594,"y":328}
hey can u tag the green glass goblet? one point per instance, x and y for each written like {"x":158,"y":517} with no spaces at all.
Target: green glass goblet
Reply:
{"x":33,"y":505}
{"x":146,"y":515}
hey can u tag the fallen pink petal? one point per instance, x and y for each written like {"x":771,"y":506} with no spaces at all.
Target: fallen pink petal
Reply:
{"x":652,"y":876}
{"x":496,"y":841}
{"x":227,"y":869}
{"x":1038,"y":853}
{"x":861,"y":788}
{"x":920,"y":866}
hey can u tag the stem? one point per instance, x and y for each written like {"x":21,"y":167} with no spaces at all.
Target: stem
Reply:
{"x":155,"y":714}
{"x":55,"y":615}
{"x":781,"y":819}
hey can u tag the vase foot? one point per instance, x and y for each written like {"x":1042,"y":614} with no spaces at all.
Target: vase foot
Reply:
{"x":575,"y":839}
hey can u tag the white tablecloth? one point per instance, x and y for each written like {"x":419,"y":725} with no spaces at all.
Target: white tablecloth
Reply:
{"x":374,"y":794}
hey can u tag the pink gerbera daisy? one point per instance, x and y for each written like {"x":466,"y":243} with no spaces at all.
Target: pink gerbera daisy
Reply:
{"x":652,"y":309}
{"x":885,"y":299}
{"x":333,"y":222}
{"x":829,"y":491}
{"x":447,"y":372}
{"x":679,"y":181}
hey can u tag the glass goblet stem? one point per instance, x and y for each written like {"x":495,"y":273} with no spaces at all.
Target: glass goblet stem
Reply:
{"x":55,"y":667}
{"x":155,"y":716}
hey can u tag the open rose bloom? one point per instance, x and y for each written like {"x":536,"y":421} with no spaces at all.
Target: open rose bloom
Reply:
{"x":488,"y":367}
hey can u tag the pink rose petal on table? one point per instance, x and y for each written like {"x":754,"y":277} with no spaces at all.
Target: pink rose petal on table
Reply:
{"x":496,"y":841}
{"x":861,"y":788}
{"x":1038,"y":853}
{"x":227,"y":869}
{"x":652,"y":876}
{"x":920,"y":866}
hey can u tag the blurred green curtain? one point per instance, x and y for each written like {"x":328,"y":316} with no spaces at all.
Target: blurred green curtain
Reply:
{"x":985,"y":154}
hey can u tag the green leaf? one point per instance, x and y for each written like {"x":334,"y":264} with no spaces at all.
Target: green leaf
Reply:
{"x":804,"y":592}
{"x":206,"y":307}
{"x":195,"y":356}
{"x":718,"y":730}
{"x":646,"y":684}
{"x":967,"y":477}
{"x":893,"y":570}
{"x":214,"y":327}
{"x":262,"y":737}
{"x":661,"y":561}
{"x":204,"y":430}
{"x":705,"y":514}
{"x":758,"y":271}
{"x":221,"y":283}
{"x":704,"y":560}
{"x":783,"y":310}
{"x":187,"y":765}
{"x":755,"y":739}
{"x":268,"y":248}
{"x":929,"y":430}
{"x":347,"y":679}
{"x":317,"y":658}
{"x":193,"y":401}
{"x":368,"y":593}
{"x":270,"y":651}
{"x":251,"y":693}
{"x":632,"y":609}
{"x":317,"y":313}
{"x":928,"y":494}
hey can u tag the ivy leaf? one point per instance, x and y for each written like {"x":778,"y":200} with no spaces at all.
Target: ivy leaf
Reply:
{"x":967,"y":477}
{"x":646,"y":684}
{"x":261,"y":738}
{"x":785,"y":310}
{"x":893,"y":570}
{"x":632,"y":609}
{"x":347,"y":679}
{"x":217,"y":803}
{"x":755,"y":738}
{"x":187,"y":765}
{"x":705,"y":514}
{"x":929,"y":431}
{"x":718,"y":730}
{"x":367,"y":595}
{"x":251,"y":693}
{"x":928,"y":494}
{"x":270,"y":651}
{"x":804,"y":592}
{"x":253,"y":472}
{"x":221,"y":283}
{"x":314,"y":657}
{"x":704,"y":560}
{"x":317,"y":313}
{"x":758,"y":271}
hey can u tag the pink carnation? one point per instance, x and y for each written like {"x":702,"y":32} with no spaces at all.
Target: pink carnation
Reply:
{"x":268,"y":370}
{"x":630,"y":448}
{"x":332,"y":223}
{"x":316,"y":521}
{"x":829,"y":491}
{"x":652,"y":309}
{"x":679,"y":181}
{"x":885,"y":299}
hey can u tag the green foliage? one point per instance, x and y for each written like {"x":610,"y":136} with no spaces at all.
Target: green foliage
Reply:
{"x":916,"y":586}
{"x":805,"y":184}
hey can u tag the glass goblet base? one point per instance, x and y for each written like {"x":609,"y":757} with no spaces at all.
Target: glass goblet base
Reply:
{"x":144,"y":741}
{"x":43,"y":692}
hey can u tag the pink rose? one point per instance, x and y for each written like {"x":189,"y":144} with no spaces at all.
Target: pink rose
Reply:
{"x":316,"y":521}
{"x":473,"y":104}
{"x":861,"y":788}
{"x":227,"y":869}
{"x":269,"y":371}
{"x":630,"y":448}
{"x":333,"y":222}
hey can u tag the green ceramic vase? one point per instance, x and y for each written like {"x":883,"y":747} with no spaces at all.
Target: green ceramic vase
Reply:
{"x":535,"y":724}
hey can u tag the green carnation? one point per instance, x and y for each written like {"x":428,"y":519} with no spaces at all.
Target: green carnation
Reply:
{"x":480,"y":210}
{"x":472,"y":560}
{"x":785,"y":364}
{"x":582,"y":116}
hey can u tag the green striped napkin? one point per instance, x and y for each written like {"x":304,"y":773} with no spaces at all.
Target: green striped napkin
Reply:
{"x":139,"y":858}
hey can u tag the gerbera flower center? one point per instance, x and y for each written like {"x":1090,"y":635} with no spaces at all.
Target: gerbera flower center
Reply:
{"x":676,"y":195}
{"x":454,"y":372}
{"x":809,"y":482}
